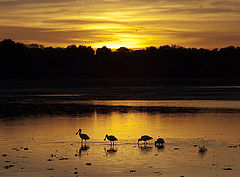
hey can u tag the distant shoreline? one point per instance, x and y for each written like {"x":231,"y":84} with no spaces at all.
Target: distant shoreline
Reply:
{"x":116,"y":82}
{"x":27,"y":62}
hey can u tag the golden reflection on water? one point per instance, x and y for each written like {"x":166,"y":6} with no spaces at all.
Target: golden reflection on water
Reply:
{"x":53,"y":137}
{"x":233,"y":104}
{"x":130,"y":126}
{"x":126,"y":126}
{"x":170,"y":103}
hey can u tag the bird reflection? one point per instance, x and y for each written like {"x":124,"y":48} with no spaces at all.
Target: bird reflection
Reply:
{"x":160,"y":146}
{"x":202,"y":152}
{"x":145,"y":147}
{"x":111,"y":150}
{"x":82,"y":148}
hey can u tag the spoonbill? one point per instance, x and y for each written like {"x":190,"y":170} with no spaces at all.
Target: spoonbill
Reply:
{"x":145,"y":138}
{"x":160,"y":142}
{"x":110,"y":138}
{"x":83,"y":136}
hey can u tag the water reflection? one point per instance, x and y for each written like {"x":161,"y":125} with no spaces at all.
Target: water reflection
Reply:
{"x":87,"y":108}
{"x":44,"y":134}
{"x":110,"y":150}
{"x":160,"y":147}
{"x":145,"y":147}
{"x":82,"y":149}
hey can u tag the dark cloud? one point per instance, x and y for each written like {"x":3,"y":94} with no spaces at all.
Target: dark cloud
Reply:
{"x":21,"y":2}
{"x":210,"y":39}
{"x":46,"y":35}
{"x":228,"y":3}
{"x":230,"y":36}
{"x":201,"y":10}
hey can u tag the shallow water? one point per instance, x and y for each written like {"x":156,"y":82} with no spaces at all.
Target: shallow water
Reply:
{"x":44,"y":143}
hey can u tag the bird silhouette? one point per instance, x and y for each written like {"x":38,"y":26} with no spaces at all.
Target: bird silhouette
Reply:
{"x":83,"y":136}
{"x":145,"y":138}
{"x":159,"y":142}
{"x":202,"y":149}
{"x":111,"y":138}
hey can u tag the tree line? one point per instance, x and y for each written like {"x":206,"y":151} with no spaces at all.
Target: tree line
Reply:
{"x":18,"y":60}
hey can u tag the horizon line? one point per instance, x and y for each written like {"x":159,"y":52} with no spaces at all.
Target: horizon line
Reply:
{"x":115,"y":48}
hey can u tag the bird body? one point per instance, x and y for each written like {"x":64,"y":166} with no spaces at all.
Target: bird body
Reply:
{"x":145,"y":138}
{"x":160,"y":142}
{"x":82,"y":136}
{"x":110,"y":138}
{"x":202,"y":149}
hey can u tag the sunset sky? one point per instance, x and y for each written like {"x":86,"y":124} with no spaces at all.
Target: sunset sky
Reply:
{"x":115,"y":23}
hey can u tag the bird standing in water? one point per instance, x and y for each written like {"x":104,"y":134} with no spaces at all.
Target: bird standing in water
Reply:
{"x":145,"y":138}
{"x":83,"y":136}
{"x":159,"y":142}
{"x":110,"y":138}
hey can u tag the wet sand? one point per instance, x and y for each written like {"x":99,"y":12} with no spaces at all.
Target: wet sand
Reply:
{"x":126,"y":160}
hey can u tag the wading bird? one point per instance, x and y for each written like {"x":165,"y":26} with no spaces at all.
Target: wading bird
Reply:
{"x":202,"y":149}
{"x":110,"y":138}
{"x":145,"y":138}
{"x":83,"y":136}
{"x":159,"y":142}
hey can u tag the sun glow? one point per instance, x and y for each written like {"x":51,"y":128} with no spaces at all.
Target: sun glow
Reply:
{"x":115,"y":46}
{"x":114,"y":23}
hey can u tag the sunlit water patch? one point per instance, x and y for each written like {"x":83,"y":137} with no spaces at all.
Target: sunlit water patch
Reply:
{"x":46,"y":145}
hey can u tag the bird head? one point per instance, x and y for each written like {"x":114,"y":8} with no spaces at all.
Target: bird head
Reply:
{"x":139,"y":140}
{"x":105,"y":137}
{"x":79,"y":131}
